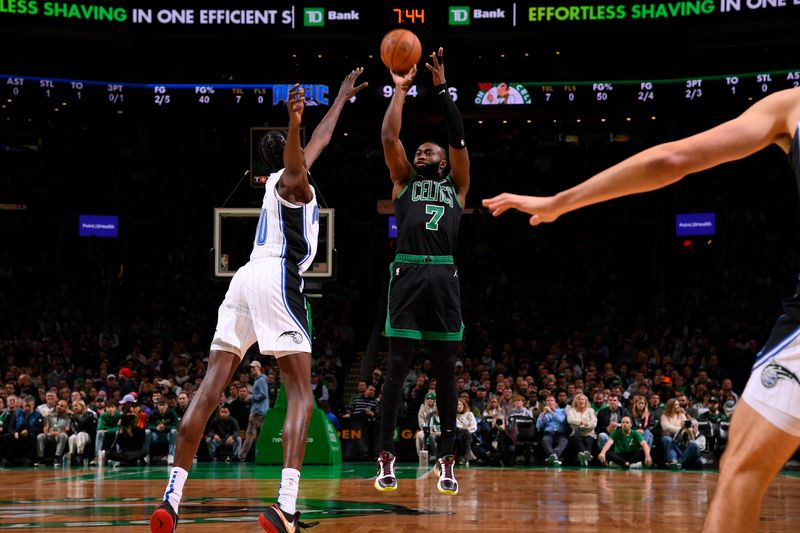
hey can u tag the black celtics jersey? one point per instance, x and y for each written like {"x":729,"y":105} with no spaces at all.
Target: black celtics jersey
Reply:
{"x":428,"y":213}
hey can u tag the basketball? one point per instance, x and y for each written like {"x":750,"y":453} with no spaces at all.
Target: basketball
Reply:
{"x":400,"y":50}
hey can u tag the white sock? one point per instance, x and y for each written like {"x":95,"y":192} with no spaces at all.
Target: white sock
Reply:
{"x":177,"y":477}
{"x":287,"y":492}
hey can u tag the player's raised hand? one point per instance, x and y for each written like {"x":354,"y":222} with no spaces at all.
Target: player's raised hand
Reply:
{"x":349,"y":88}
{"x":541,"y":209}
{"x":403,"y":81}
{"x":437,"y":67}
{"x":296,"y":103}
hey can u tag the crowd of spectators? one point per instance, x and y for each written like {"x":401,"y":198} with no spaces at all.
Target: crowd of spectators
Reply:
{"x":604,"y":308}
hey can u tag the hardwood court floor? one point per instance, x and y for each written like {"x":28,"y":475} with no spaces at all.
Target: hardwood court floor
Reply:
{"x":230,"y":497}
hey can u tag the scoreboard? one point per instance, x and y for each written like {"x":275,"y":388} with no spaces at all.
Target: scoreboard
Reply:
{"x":352,"y":16}
{"x":224,"y":55}
{"x":62,"y":95}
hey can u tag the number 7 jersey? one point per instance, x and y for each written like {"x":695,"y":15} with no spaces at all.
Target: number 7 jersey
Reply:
{"x":428,"y":214}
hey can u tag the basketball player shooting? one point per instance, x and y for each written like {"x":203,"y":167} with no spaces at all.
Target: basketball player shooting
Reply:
{"x":769,"y":415}
{"x":265,"y":303}
{"x":424,"y":293}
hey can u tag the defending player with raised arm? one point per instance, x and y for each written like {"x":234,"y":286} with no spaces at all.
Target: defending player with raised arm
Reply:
{"x":769,"y":414}
{"x":424,"y":292}
{"x":274,"y":315}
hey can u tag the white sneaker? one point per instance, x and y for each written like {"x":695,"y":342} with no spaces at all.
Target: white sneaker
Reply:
{"x":386,"y":479}
{"x":147,"y":459}
{"x":170,"y":460}
{"x":447,"y":483}
{"x":636,"y":465}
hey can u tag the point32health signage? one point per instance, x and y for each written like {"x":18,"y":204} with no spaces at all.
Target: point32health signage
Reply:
{"x":688,"y":224}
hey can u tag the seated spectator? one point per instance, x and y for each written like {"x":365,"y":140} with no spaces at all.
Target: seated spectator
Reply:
{"x":677,"y":437}
{"x":428,"y":407}
{"x":318,"y":388}
{"x":626,"y":447}
{"x":107,"y":424}
{"x":129,"y":442}
{"x":608,"y":419}
{"x":498,"y":448}
{"x":183,"y":405}
{"x":366,"y":409}
{"x":552,"y":422}
{"x":84,"y":425}
{"x":713,"y":414}
{"x":99,"y":404}
{"x":480,"y":402}
{"x":727,"y":390}
{"x":240,"y":407}
{"x":641,"y":420}
{"x":518,"y":408}
{"x":598,"y":400}
{"x":432,"y":429}
{"x":57,"y":428}
{"x":49,"y":406}
{"x":223,"y":436}
{"x":492,"y":410}
{"x":583,"y":420}
{"x":466,"y":426}
{"x":162,"y":426}
{"x":26,"y":424}
{"x":416,"y":396}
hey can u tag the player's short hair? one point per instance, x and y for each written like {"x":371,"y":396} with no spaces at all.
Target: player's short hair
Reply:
{"x":270,"y":148}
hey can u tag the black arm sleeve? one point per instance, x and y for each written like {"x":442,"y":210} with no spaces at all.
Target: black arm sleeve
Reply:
{"x":452,"y":118}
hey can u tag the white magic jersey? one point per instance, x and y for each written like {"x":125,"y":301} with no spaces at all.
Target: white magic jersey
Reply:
{"x":286,"y":230}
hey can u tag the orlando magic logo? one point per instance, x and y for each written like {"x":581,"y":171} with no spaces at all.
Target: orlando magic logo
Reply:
{"x":774,"y":372}
{"x":296,"y":336}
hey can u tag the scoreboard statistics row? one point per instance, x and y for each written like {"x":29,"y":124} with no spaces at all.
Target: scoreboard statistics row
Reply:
{"x":27,"y":93}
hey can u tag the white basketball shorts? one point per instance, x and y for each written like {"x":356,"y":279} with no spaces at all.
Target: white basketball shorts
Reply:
{"x":264,"y":304}
{"x":774,"y":385}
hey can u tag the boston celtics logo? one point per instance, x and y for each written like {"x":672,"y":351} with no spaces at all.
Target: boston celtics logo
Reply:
{"x":502,"y":93}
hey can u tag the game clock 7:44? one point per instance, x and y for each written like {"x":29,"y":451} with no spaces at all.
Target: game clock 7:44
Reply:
{"x":408,"y":15}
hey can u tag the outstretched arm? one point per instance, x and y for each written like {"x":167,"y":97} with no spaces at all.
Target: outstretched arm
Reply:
{"x":324,"y":130}
{"x":769,"y":121}
{"x":293,"y":185}
{"x":457,"y":154}
{"x":394,"y":154}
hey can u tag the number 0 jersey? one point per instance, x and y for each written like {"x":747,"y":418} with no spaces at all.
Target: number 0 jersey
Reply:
{"x":428,"y":213}
{"x":286,"y":230}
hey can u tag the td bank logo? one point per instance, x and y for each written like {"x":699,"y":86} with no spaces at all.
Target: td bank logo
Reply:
{"x":459,"y":16}
{"x":313,"y":16}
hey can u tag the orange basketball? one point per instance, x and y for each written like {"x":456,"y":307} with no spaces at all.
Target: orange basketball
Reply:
{"x":400,"y":50}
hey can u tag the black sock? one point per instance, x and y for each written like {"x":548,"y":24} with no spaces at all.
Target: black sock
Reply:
{"x":446,"y":394}
{"x":400,"y":351}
